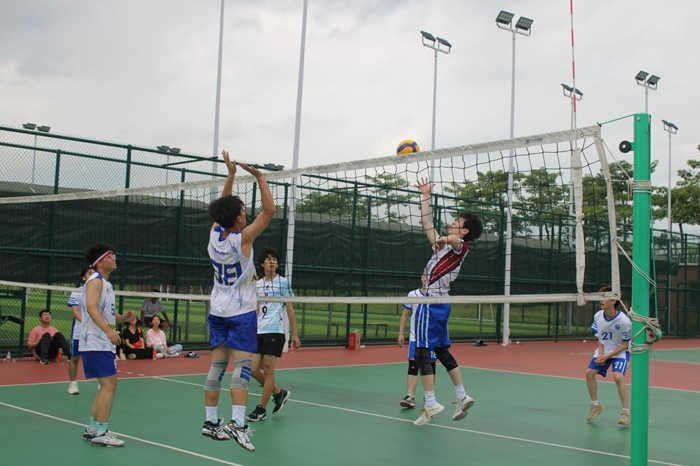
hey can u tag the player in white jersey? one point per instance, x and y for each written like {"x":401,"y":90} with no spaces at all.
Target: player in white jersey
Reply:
{"x":232,"y":319}
{"x":614,"y":331}
{"x":98,"y":337}
{"x":271,"y":333}
{"x":409,"y":401}
{"x":443,"y":267}
{"x":74,"y":305}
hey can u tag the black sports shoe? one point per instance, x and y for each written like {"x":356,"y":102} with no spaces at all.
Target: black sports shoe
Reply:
{"x":259,"y":414}
{"x":44,"y":361}
{"x":280,"y":399}
{"x":215,"y":431}
{"x":408,"y":402}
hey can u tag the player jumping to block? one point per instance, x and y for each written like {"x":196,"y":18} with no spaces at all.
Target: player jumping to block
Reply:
{"x":442,"y":269}
{"x":233,"y":320}
{"x":98,"y":337}
{"x":409,"y":401}
{"x":614,"y":331}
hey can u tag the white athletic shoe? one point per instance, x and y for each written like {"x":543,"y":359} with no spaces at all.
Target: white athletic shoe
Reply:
{"x":427,"y":414}
{"x":106,"y":440}
{"x":241,"y":434}
{"x":160,"y":356}
{"x":73,"y":388}
{"x":463,"y":406}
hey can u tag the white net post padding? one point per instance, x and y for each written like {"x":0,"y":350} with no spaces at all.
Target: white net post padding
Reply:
{"x":612,"y":218}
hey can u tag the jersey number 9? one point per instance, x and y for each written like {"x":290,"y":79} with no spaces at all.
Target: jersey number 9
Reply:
{"x":226,"y":274}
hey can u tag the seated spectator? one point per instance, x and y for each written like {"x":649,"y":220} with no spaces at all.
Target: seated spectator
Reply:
{"x":132,"y":341}
{"x":155,"y":338}
{"x":46,"y":341}
{"x":152,"y":307}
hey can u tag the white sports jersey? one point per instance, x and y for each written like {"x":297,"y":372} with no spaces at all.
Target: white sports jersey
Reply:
{"x":234,"y":275}
{"x":443,"y":268}
{"x":612,"y":333}
{"x":92,"y":338}
{"x":74,"y":301}
{"x":271,"y":318}
{"x":414,"y":308}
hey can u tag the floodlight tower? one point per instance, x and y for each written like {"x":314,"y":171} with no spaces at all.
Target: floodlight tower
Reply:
{"x":504,"y":21}
{"x":438,"y":44}
{"x":647,"y":82}
{"x":671,"y":129}
{"x":34,"y":127}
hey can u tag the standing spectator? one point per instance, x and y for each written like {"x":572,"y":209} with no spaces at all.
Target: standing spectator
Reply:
{"x":152,"y":307}
{"x":46,"y":341}
{"x":155,"y":338}
{"x":132,"y":339}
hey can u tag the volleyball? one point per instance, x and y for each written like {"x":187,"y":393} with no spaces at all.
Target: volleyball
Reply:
{"x":407,"y":147}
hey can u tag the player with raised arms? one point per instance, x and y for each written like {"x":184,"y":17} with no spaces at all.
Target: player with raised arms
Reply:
{"x":233,"y":318}
{"x":442,"y":269}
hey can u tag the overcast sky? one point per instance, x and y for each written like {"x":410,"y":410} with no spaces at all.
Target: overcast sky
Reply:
{"x":144,"y":72}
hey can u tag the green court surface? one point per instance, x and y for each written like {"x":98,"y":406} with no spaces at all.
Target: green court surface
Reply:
{"x":348,"y":416}
{"x":691,"y":355}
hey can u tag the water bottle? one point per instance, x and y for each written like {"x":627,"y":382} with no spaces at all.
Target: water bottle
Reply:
{"x":8,"y":357}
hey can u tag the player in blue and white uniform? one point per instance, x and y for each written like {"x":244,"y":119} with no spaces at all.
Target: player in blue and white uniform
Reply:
{"x":414,"y":310}
{"x":272,"y":331}
{"x":74,"y":305}
{"x":614,"y":331}
{"x":232,"y":318}
{"x":98,"y":337}
{"x":443,"y":268}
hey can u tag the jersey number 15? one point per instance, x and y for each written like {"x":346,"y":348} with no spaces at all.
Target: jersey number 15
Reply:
{"x":226,"y":274}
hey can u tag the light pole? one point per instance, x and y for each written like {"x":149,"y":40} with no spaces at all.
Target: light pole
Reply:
{"x":217,"y":110}
{"x":574,"y":95}
{"x":504,"y":21}
{"x":438,"y":44}
{"x":33,"y":127}
{"x":671,"y":129}
{"x":647,"y":82}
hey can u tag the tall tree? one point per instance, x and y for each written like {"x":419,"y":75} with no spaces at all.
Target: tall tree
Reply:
{"x":685,"y":197}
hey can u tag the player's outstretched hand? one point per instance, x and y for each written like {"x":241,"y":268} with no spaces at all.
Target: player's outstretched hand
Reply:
{"x":401,"y":340}
{"x":230,"y":165}
{"x":252,"y":170}
{"x":424,"y":186}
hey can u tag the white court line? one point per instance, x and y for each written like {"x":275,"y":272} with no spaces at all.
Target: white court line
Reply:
{"x":488,"y":434}
{"x":343,"y":366}
{"x":137,"y":439}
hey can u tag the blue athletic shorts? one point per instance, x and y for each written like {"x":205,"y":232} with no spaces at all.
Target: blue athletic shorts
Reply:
{"x":412,"y":352}
{"x":99,"y":364}
{"x":238,"y":332}
{"x":431,"y":325}
{"x":618,"y":365}
{"x":74,"y":351}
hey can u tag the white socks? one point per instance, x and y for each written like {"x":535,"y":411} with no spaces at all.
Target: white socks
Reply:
{"x":430,"y":399}
{"x":211,"y":414}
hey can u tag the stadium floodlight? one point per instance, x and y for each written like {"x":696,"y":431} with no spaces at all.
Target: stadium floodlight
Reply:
{"x":524,"y":24}
{"x":428,"y":37}
{"x":443,"y":46}
{"x":504,"y":21}
{"x":653,"y":80}
{"x":44,"y":129}
{"x":174,"y":150}
{"x":647,"y":82}
{"x":504,"y":18}
{"x":30,"y":126}
{"x":163,"y":148}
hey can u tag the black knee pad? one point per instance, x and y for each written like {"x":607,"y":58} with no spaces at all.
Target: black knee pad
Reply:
{"x":412,"y":367}
{"x":432,"y":364}
{"x":423,"y":361}
{"x":446,"y":358}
